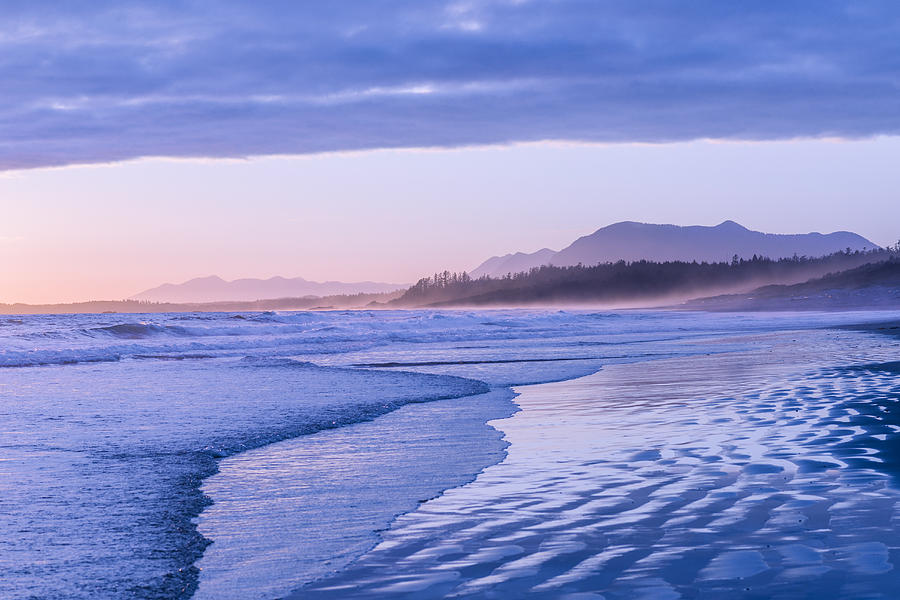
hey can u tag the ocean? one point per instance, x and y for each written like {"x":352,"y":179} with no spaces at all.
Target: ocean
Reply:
{"x":249,"y":455}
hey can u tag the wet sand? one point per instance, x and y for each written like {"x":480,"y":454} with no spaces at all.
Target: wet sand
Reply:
{"x":891,"y":328}
{"x":308,"y":506}
{"x":761,"y":474}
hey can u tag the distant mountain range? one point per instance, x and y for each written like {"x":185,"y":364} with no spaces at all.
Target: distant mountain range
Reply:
{"x":630,"y":241}
{"x":216,"y":289}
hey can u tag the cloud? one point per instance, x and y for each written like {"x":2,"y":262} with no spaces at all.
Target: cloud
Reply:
{"x":110,"y":80}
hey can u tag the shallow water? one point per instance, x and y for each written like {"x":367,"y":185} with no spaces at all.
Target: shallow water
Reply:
{"x":110,"y":425}
{"x":760,"y":474}
{"x":310,"y":505}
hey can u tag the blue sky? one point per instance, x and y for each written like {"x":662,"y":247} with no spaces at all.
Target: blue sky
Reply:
{"x":622,"y":108}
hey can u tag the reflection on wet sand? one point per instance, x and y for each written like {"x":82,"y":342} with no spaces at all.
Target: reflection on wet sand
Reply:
{"x":763,"y":474}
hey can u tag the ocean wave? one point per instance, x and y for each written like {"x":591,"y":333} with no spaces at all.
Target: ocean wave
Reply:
{"x":69,"y":339}
{"x":268,"y":361}
{"x":360,"y":326}
{"x":177,"y":348}
{"x":186,"y":356}
{"x":39,"y":358}
{"x":127,"y":448}
{"x":133,"y":331}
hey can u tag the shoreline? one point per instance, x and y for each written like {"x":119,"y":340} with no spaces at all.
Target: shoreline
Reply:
{"x":351,"y":482}
{"x":248,"y":390}
{"x":545,"y":521}
{"x":286,"y":449}
{"x":468,"y":478}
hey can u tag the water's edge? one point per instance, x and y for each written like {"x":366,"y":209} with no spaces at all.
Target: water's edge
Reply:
{"x":807,"y":445}
{"x":463,"y":478}
{"x":184,"y":582}
{"x":110,"y":465}
{"x":365,"y":476}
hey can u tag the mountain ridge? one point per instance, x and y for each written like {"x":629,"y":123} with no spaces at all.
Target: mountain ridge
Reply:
{"x":513,"y":263}
{"x":632,"y":240}
{"x":213,"y":288}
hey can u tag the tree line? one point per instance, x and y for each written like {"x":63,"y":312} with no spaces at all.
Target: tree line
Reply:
{"x":636,"y":280}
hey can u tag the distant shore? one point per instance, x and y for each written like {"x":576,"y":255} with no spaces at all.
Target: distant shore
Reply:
{"x":137,"y":306}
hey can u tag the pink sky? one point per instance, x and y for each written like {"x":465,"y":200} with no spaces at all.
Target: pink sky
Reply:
{"x":110,"y":231}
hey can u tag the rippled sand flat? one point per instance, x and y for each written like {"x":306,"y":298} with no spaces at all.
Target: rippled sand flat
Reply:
{"x":762,"y":474}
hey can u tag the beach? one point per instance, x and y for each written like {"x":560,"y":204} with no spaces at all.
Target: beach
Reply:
{"x":510,"y":453}
{"x":763,"y":474}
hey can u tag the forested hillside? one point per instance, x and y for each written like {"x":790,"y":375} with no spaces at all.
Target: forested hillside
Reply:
{"x":624,"y":283}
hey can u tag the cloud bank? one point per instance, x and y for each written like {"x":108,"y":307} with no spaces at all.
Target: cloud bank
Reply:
{"x":98,"y":81}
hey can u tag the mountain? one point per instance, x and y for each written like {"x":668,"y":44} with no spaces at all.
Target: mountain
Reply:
{"x":632,"y":241}
{"x":513,"y":263}
{"x":216,"y":289}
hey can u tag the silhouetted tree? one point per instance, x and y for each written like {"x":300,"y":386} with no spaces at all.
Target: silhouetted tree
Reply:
{"x":629,"y":280}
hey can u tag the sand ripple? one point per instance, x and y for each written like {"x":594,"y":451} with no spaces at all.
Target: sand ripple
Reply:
{"x":760,"y":475}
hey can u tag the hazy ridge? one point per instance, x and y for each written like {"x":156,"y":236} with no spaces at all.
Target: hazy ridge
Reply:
{"x":216,"y":289}
{"x":631,"y":241}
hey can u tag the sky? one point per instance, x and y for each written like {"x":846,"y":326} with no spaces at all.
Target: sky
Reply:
{"x":144,"y":142}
